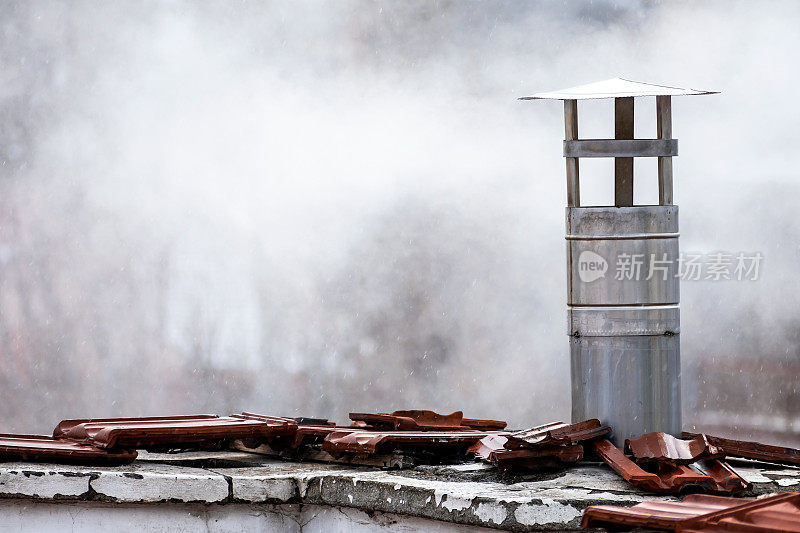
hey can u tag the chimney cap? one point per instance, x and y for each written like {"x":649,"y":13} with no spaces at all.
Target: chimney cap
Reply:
{"x":614,"y":88}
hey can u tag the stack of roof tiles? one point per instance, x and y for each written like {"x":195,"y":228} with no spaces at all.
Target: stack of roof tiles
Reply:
{"x":543,"y":446}
{"x":115,"y":440}
{"x":410,"y":432}
{"x":661,"y":463}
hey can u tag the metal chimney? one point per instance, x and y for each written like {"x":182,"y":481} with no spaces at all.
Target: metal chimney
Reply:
{"x":622,"y":272}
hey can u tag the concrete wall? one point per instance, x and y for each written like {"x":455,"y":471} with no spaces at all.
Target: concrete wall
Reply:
{"x":64,"y":517}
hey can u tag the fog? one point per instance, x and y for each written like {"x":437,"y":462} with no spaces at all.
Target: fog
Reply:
{"x":311,"y":208}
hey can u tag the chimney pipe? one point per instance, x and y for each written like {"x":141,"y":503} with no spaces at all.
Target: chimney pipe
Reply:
{"x":623,"y":272}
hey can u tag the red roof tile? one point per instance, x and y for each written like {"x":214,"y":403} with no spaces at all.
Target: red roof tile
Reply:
{"x":43,"y":448}
{"x":154,"y":432}
{"x":700,"y":513}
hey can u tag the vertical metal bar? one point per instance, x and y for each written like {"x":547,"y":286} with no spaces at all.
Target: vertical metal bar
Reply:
{"x":571,"y":134}
{"x":664,"y":126}
{"x":623,"y":166}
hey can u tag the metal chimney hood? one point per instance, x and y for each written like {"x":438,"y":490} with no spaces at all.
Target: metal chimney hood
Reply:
{"x":622,"y":272}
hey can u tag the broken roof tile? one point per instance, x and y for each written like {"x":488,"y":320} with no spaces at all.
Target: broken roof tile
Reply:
{"x":492,"y":450}
{"x":558,"y":433}
{"x":545,"y":456}
{"x":366,"y":441}
{"x":485,"y":448}
{"x":670,"y":478}
{"x":664,"y":448}
{"x":753,"y":450}
{"x":726,"y":479}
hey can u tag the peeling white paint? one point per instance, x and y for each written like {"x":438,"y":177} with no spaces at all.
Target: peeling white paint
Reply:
{"x":549,"y":512}
{"x":468,"y":467}
{"x":788,"y":471}
{"x":397,"y":486}
{"x":350,"y":498}
{"x":491,"y":512}
{"x":753,"y":475}
{"x":153,"y":483}
{"x":452,"y":503}
{"x":590,"y":477}
{"x":787,"y":482}
{"x":627,"y":498}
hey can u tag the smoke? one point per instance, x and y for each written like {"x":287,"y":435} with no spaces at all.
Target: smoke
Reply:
{"x":310,"y":208}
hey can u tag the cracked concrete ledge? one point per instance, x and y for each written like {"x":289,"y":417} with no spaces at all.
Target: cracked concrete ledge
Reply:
{"x":471,"y":494}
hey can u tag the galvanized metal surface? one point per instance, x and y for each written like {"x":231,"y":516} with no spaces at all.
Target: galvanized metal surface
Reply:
{"x":631,"y":383}
{"x":597,"y":222}
{"x":609,"y":321}
{"x":624,"y":325}
{"x":43,"y":448}
{"x":621,"y":148}
{"x":663,"y":448}
{"x":611,"y":238}
{"x":753,"y":450}
{"x":615,"y":88}
{"x":700,"y":513}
